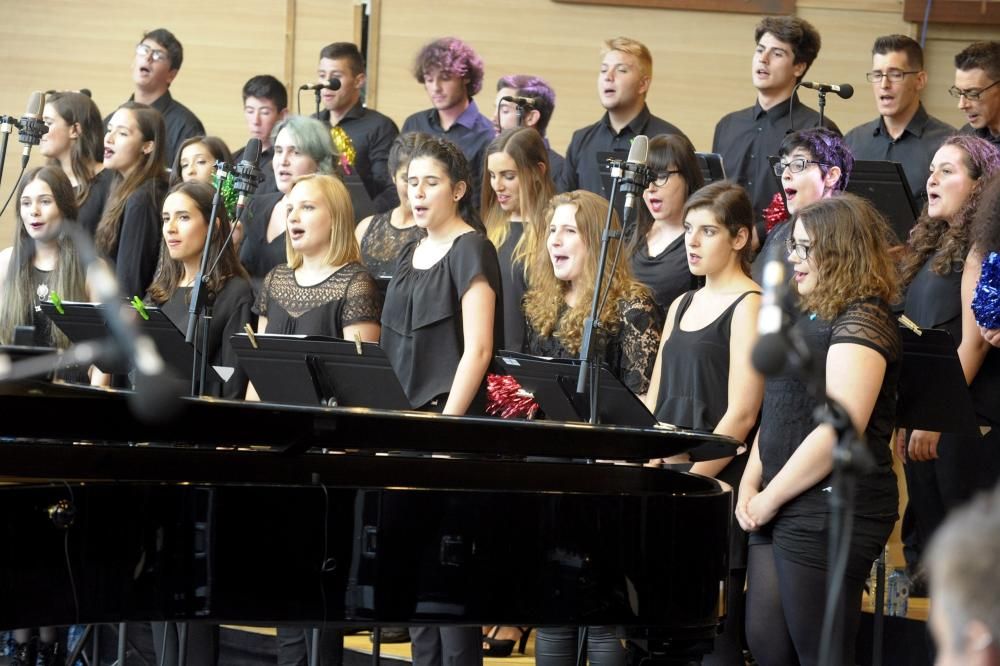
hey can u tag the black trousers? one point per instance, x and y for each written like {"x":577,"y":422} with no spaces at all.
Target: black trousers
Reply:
{"x":202,"y":643}
{"x":557,"y":646}
{"x":447,"y":646}
{"x":294,"y":644}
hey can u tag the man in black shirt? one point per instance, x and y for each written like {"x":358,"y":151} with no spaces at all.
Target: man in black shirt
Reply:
{"x":369,"y":134}
{"x":903,"y":132}
{"x":977,"y":88}
{"x":786,"y":47}
{"x":622,"y":84}
{"x":265,"y":104}
{"x":158,"y":58}
{"x":452,"y":74}
{"x":537,"y":104}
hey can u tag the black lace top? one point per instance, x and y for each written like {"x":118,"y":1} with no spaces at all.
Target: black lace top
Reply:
{"x":347,"y":297}
{"x":422,"y":322}
{"x":631,"y":351}
{"x":787,"y":416}
{"x":382,"y":243}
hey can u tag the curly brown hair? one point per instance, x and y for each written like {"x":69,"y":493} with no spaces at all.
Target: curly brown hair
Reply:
{"x":546,"y":297}
{"x":950,"y":242}
{"x":850,"y":249}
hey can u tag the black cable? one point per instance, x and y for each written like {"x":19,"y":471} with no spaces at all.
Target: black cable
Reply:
{"x":12,"y":190}
{"x":69,"y":564}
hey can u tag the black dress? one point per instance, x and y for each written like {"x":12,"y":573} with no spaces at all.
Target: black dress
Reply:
{"x":382,"y":243}
{"x":347,"y":297}
{"x":137,"y":249}
{"x":630,"y":353}
{"x":92,"y":208}
{"x":799,"y":530}
{"x":422,"y":330}
{"x":231,"y":311}
{"x":514,"y":286}
{"x":257,"y":254}
{"x":667,"y":274}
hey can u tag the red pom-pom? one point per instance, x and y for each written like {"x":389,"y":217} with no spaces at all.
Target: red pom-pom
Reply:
{"x":776,"y":213}
{"x":507,"y":399}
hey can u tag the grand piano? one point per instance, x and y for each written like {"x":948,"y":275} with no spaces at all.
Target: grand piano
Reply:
{"x":232,"y":512}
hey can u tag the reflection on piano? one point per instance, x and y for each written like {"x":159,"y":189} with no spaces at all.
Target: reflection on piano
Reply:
{"x":260,"y":514}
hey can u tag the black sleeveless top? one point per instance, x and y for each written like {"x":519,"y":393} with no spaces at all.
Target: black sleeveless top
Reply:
{"x":694,"y":370}
{"x":935,"y":301}
{"x":382,"y":243}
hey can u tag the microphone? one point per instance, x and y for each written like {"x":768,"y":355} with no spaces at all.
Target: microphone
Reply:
{"x":246,"y":174}
{"x":520,"y":101}
{"x":32,"y":126}
{"x":844,"y":90}
{"x":636,"y":176}
{"x":332,"y":84}
{"x":777,"y":342}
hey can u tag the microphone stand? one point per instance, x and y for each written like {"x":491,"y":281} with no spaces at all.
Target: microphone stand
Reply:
{"x":198,"y":312}
{"x":7,"y":125}
{"x":589,"y":351}
{"x":822,"y":105}
{"x":318,"y":92}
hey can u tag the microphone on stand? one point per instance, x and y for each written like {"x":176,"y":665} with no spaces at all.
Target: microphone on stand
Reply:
{"x":636,"y":176}
{"x":844,"y":90}
{"x":247,"y":175}
{"x":332,"y":84}
{"x":519,"y":101}
{"x":32,"y":126}
{"x":778,"y":345}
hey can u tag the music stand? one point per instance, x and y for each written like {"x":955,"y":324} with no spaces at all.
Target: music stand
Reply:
{"x":82,"y":322}
{"x":317,"y":370}
{"x":552,"y":382}
{"x":885,"y":185}
{"x":711,"y":167}
{"x":933,"y":394}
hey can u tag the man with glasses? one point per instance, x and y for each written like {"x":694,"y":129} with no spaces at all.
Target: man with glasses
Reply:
{"x":904,"y":132}
{"x":158,"y":57}
{"x":977,"y":75}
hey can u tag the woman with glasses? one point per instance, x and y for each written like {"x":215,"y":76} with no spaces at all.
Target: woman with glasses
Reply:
{"x":656,"y":243}
{"x":703,"y":378}
{"x":943,"y":470}
{"x":813,"y":164}
{"x":845,"y":280}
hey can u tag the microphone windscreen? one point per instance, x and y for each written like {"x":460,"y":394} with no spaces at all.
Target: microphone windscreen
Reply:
{"x":846,"y":91}
{"x":334,"y":84}
{"x":36,"y":104}
{"x":769,"y":354}
{"x":252,"y":151}
{"x":639,"y":150}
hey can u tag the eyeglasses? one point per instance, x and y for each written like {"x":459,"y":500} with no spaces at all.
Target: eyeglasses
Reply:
{"x":971,"y":95}
{"x":894,"y":75}
{"x":147,"y":51}
{"x":795,"y":166}
{"x":801,"y":250}
{"x":663,"y":176}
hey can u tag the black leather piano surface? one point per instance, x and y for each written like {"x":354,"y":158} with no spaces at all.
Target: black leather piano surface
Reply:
{"x":318,"y":528}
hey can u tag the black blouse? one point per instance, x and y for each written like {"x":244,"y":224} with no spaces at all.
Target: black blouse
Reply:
{"x":787,"y":416}
{"x":514,"y":286}
{"x":230,"y":313}
{"x":258,"y":255}
{"x":667,"y":274}
{"x":382,"y":243}
{"x":347,"y":297}
{"x":630,"y":353}
{"x":138,"y":248}
{"x":92,"y":208}
{"x":422,"y":331}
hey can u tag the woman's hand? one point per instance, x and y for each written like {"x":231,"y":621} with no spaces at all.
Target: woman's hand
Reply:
{"x":991,"y":335}
{"x":923,"y":445}
{"x":762,"y":508}
{"x":742,"y":516}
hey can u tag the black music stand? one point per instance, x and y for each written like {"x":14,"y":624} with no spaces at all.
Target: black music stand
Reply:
{"x":83,"y":322}
{"x":885,"y":185}
{"x":317,"y":370}
{"x":933,"y":394}
{"x":711,"y":167}
{"x":552,"y":382}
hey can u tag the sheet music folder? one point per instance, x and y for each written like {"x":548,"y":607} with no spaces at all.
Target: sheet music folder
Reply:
{"x":319,"y":370}
{"x":82,"y":322}
{"x":933,"y":394}
{"x":552,"y":382}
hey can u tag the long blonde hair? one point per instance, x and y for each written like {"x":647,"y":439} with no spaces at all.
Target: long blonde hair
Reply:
{"x":546,"y":297}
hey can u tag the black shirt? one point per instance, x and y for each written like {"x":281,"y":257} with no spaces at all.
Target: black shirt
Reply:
{"x":471,"y":132}
{"x":422,"y":330}
{"x":982,"y":133}
{"x":230,"y":312}
{"x":746,"y":138}
{"x":914,"y":148}
{"x":181,"y":124}
{"x":137,"y":249}
{"x":556,"y":162}
{"x":89,"y":214}
{"x":372,"y":134}
{"x":584,"y":163}
{"x":667,"y":274}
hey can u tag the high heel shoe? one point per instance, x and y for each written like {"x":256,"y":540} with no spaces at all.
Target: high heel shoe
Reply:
{"x":504,"y":647}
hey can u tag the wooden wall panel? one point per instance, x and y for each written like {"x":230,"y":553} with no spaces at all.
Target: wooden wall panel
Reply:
{"x":317,"y":23}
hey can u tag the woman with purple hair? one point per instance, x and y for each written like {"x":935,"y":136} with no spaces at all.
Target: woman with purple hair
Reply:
{"x":945,"y":469}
